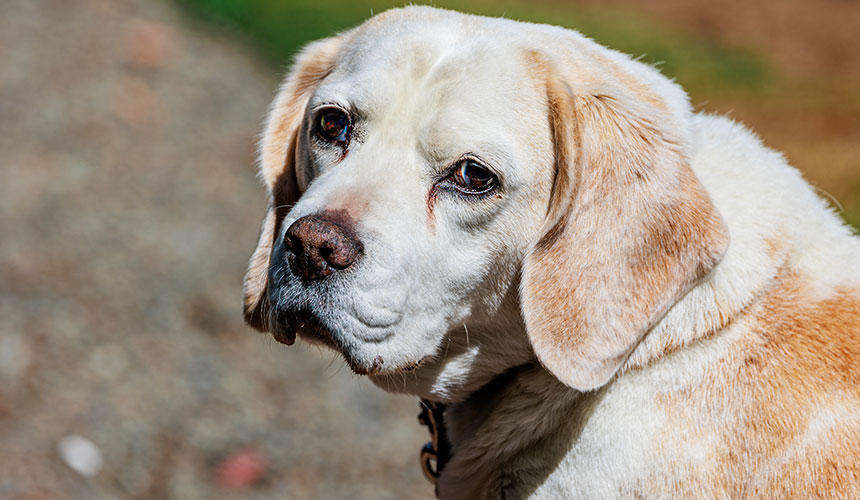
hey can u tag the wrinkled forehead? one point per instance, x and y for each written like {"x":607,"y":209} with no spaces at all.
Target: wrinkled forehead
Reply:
{"x":432,"y":75}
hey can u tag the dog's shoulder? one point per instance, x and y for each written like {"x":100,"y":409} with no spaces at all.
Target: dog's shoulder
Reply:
{"x":770,"y":388}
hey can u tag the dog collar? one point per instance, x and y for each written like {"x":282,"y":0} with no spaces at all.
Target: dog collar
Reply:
{"x":438,"y":449}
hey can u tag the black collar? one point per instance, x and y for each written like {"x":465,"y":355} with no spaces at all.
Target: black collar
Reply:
{"x":438,"y":449}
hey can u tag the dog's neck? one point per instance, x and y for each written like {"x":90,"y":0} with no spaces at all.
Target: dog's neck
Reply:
{"x":526,"y":416}
{"x":503,"y":412}
{"x":525,"y":411}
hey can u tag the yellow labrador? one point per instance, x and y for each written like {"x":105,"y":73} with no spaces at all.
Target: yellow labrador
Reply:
{"x":615,"y":296}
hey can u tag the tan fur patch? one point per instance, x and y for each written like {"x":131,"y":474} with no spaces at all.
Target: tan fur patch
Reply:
{"x":350,"y":202}
{"x":780,"y":415}
{"x":629,"y":230}
{"x":775,"y":248}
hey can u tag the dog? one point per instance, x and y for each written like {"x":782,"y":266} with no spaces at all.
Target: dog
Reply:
{"x":614,"y":296}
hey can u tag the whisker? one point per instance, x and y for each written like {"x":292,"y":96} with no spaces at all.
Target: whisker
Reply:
{"x":447,"y":345}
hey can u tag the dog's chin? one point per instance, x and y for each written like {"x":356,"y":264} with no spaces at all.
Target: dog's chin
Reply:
{"x":287,"y":326}
{"x":424,"y":380}
{"x":411,"y":380}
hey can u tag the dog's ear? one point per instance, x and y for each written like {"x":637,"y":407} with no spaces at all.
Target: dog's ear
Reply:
{"x":629,"y":231}
{"x":277,"y":158}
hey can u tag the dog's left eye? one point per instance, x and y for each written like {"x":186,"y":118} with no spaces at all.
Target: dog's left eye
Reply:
{"x":333,"y":125}
{"x":471,"y":177}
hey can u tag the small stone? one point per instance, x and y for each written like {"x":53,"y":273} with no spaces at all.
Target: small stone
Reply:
{"x":241,"y":468}
{"x":81,"y":455}
{"x":147,"y":44}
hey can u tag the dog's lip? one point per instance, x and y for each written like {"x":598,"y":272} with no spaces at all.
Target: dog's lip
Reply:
{"x":282,"y":330}
{"x":286,"y":336}
{"x":287,"y":325}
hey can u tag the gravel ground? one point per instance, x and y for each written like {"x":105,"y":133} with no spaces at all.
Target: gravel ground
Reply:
{"x":128,"y":208}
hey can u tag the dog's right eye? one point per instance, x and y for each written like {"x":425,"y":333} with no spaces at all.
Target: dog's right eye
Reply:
{"x":333,"y":126}
{"x":470,"y":177}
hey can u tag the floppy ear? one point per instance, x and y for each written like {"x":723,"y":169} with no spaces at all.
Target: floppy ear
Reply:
{"x":629,"y":231}
{"x":278,"y":150}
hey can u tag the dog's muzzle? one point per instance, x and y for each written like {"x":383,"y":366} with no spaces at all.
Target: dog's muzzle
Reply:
{"x":313,"y":248}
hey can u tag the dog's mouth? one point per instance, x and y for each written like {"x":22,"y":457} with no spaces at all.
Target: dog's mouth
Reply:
{"x":286,"y":326}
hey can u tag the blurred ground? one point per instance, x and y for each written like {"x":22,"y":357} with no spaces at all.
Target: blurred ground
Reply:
{"x":128,"y":208}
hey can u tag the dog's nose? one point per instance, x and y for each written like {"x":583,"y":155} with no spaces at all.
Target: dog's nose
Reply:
{"x":317,"y":245}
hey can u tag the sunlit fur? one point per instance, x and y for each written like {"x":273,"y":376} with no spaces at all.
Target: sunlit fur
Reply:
{"x":653,"y":304}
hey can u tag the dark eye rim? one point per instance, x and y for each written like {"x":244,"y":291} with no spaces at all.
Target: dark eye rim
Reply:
{"x":320,"y":112}
{"x":448,"y":182}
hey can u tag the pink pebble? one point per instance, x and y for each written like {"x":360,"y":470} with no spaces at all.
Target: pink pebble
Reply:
{"x":241,"y":468}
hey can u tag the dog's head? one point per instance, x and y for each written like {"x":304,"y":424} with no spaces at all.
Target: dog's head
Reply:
{"x":452,"y":195}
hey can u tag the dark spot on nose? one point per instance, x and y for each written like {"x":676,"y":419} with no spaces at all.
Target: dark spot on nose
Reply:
{"x":320,"y":244}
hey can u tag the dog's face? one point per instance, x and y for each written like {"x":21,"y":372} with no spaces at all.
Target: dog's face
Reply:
{"x":434,"y":170}
{"x":419,"y":173}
